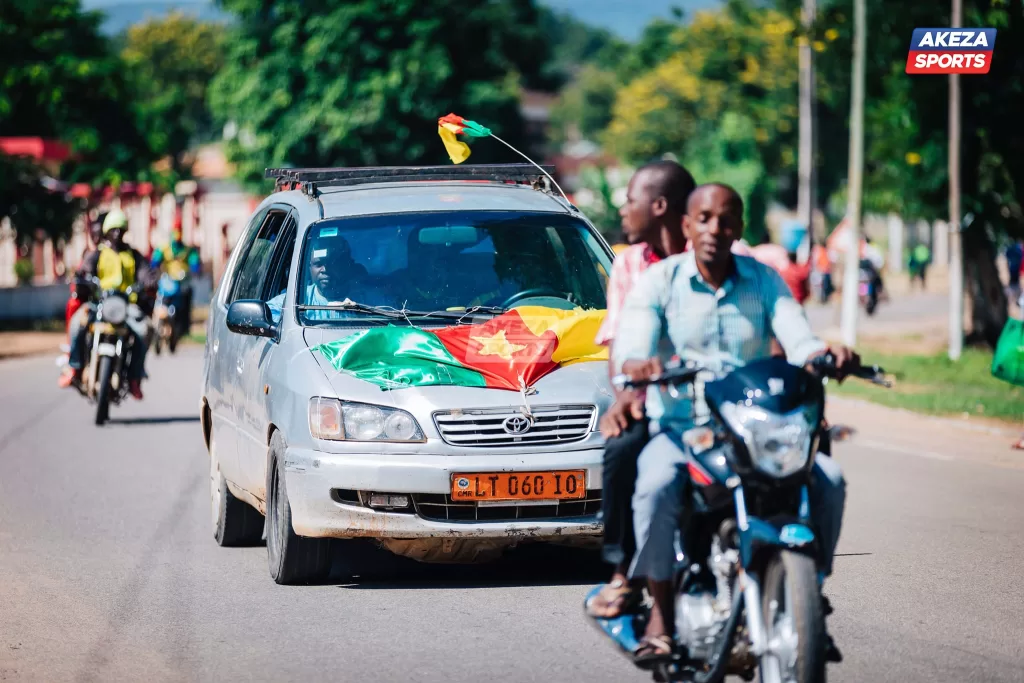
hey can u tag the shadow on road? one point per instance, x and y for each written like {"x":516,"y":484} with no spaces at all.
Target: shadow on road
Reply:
{"x":153,"y":420}
{"x":534,"y":565}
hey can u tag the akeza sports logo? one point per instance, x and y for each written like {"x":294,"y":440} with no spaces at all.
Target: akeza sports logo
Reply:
{"x":951,"y":51}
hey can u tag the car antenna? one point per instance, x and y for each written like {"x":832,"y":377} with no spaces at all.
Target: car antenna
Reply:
{"x":456,"y":124}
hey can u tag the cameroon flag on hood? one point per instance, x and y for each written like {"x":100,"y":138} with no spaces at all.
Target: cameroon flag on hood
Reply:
{"x":510,"y":351}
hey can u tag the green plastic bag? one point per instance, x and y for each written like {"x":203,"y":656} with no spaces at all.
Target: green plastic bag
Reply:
{"x":1008,"y":361}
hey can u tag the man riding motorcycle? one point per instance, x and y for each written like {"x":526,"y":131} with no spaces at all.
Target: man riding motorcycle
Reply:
{"x":117,"y":266}
{"x":711,"y":303}
{"x":180,"y":262}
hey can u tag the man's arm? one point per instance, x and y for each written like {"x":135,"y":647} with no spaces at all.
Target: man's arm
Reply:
{"x":642,"y":319}
{"x":788,"y":320}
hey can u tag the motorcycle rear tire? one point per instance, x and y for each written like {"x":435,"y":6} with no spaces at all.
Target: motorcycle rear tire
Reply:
{"x":797,"y":574}
{"x":172,"y":341}
{"x":106,"y":373}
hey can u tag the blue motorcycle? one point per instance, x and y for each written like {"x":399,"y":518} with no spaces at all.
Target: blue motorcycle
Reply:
{"x":747,"y":592}
{"x":168,"y":313}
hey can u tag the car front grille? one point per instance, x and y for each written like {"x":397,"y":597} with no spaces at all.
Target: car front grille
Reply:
{"x":442,"y":508}
{"x":486,"y":427}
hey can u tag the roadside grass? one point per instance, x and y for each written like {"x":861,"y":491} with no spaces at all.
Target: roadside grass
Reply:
{"x":935,"y":385}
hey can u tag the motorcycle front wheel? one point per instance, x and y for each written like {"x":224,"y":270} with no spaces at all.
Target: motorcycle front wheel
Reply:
{"x":794,"y":621}
{"x":106,"y":373}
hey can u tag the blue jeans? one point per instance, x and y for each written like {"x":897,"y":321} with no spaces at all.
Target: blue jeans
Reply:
{"x":658,"y":504}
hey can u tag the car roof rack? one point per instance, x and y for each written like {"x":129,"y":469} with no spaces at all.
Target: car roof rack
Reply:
{"x":310,"y":180}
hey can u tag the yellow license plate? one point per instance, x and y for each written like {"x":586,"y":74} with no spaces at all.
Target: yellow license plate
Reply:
{"x":560,"y":485}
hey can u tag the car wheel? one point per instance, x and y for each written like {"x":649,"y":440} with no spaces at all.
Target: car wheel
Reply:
{"x":235,"y":522}
{"x":293,"y":559}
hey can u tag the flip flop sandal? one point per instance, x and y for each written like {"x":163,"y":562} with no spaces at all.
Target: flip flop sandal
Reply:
{"x":623,"y":599}
{"x":653,"y":650}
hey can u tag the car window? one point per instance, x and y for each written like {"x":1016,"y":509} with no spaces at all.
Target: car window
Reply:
{"x":257,"y":260}
{"x":280,"y":270}
{"x":227,"y":284}
{"x":452,"y":260}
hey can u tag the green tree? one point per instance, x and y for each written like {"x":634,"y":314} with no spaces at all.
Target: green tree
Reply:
{"x":354,"y":83}
{"x":576,"y":45}
{"x":61,"y":79}
{"x":584,"y":106}
{"x":171,"y":61}
{"x":740,"y":61}
{"x":906,"y":133}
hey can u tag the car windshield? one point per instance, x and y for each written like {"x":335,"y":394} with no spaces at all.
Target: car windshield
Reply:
{"x":448,"y":264}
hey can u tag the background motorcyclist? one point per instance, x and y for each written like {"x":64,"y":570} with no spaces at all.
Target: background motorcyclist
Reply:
{"x":181,"y":262}
{"x":715,"y":304}
{"x":79,"y":291}
{"x":117,"y":266}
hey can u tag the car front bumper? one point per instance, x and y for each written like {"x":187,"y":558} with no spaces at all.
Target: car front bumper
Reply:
{"x":312,"y":479}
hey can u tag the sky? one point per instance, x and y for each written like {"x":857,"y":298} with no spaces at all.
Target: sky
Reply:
{"x":623,"y":17}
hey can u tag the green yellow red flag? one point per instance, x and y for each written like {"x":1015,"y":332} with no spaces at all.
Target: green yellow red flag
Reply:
{"x":510,"y":351}
{"x":451,"y":125}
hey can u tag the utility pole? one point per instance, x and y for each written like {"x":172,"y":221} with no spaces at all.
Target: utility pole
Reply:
{"x":854,"y":185}
{"x":806,"y":171}
{"x":956,"y":255}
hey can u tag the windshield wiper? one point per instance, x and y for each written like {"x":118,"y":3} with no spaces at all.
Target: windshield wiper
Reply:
{"x":403,"y":314}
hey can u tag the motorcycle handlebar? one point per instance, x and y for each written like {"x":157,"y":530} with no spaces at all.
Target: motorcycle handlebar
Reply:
{"x":675,"y":374}
{"x":826,"y":365}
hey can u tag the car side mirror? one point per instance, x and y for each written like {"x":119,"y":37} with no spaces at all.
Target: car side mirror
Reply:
{"x":251,"y":317}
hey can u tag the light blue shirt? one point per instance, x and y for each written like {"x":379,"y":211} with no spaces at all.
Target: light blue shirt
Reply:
{"x":672,"y":311}
{"x":370,"y":295}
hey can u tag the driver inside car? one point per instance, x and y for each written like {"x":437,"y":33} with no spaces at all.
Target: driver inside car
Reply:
{"x":334,"y":275}
{"x":711,"y":303}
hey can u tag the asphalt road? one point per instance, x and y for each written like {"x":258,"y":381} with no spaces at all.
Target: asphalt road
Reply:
{"x":108,"y":570}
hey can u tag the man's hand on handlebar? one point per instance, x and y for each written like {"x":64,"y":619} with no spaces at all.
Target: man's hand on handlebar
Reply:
{"x":844,"y":361}
{"x":627,"y":406}
{"x":642,"y":370}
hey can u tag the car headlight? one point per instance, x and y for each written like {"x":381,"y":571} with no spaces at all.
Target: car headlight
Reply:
{"x":114,"y":310}
{"x":779,"y":445}
{"x":337,"y":420}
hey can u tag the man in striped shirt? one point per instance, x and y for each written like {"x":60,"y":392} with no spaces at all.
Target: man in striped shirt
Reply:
{"x":709,"y":303}
{"x":652,"y":219}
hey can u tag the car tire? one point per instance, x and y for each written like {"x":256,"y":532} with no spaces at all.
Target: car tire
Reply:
{"x":292,"y":559}
{"x":235,"y":522}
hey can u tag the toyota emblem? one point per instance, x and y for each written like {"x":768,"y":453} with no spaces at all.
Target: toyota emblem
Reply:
{"x":517,"y":424}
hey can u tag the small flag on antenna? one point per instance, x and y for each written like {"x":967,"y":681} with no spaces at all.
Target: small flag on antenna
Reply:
{"x":451,"y":125}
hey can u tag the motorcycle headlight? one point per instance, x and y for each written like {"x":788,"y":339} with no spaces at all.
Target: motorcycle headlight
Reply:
{"x":336,"y":420}
{"x":114,"y":310}
{"x":779,"y":445}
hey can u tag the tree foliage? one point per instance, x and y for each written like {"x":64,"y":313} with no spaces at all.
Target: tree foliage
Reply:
{"x":352,"y":83}
{"x":171,"y":61}
{"x":62,"y":80}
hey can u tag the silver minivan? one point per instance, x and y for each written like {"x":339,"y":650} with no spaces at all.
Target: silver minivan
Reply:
{"x":318,"y":460}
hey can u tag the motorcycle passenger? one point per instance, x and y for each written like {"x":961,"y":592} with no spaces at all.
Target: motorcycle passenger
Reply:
{"x":118,"y":266}
{"x":180,"y":262}
{"x":652,"y":221}
{"x":80,"y":292}
{"x":712,"y":303}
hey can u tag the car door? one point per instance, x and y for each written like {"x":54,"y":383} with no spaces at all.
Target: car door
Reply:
{"x":255,"y":353}
{"x":221,"y":373}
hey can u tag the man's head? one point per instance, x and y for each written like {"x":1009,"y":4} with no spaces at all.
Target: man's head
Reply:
{"x":656,"y":198}
{"x":330,"y":264}
{"x":115,"y":225}
{"x":96,"y":229}
{"x":714,"y":220}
